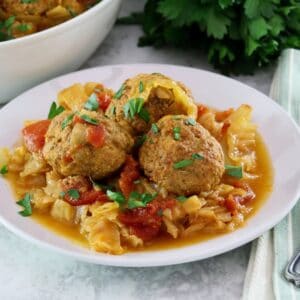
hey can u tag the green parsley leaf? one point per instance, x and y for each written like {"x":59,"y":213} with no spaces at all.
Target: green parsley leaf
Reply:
{"x":190,"y":121}
{"x":9,"y":22}
{"x":197,"y":156}
{"x":139,"y":200}
{"x":134,"y":200}
{"x":154,"y":128}
{"x":144,"y":114}
{"x":234,"y":171}
{"x":92,"y":103}
{"x":67,"y":121}
{"x":73,"y":193}
{"x":181,"y":198}
{"x":238,"y":36}
{"x":89,"y":120}
{"x":176,"y":132}
{"x":3,"y":170}
{"x":141,"y":87}
{"x":135,"y":107}
{"x":119,"y":93}
{"x":115,"y":196}
{"x":183,"y":163}
{"x":24,"y":27}
{"x":26,"y":204}
{"x":54,"y":110}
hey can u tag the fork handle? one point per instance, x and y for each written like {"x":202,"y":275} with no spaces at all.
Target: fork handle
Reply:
{"x":291,"y":273}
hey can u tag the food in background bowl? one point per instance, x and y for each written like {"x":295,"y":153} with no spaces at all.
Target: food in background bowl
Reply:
{"x":34,"y":58}
{"x":23,"y":17}
{"x":186,"y":178}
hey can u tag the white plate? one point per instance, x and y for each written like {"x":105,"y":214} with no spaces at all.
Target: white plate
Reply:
{"x":280,"y":133}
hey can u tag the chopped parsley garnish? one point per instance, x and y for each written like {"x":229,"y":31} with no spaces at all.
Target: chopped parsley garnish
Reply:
{"x":140,"y":140}
{"x":183,"y":163}
{"x":141,"y":87}
{"x":144,"y":114}
{"x":9,"y":22}
{"x":23,"y":27}
{"x":115,"y":196}
{"x":197,"y":156}
{"x":190,"y":121}
{"x":55,"y":110}
{"x":26,"y":204}
{"x":176,"y":132}
{"x":181,"y":198}
{"x":119,"y":93}
{"x":3,"y":170}
{"x":139,"y":200}
{"x":89,"y":120}
{"x":135,"y":107}
{"x":68,"y":120}
{"x":234,"y":171}
{"x":5,"y":28}
{"x":187,"y":162}
{"x":73,"y":193}
{"x":154,"y":128}
{"x":92,"y":102}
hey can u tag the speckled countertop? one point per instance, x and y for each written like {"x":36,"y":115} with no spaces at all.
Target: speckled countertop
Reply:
{"x":31,"y":273}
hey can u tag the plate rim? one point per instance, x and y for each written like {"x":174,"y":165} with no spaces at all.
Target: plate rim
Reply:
{"x":116,"y":260}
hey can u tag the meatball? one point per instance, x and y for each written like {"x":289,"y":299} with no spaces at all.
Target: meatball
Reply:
{"x":146,"y":98}
{"x":182,"y":156}
{"x":74,"y":146}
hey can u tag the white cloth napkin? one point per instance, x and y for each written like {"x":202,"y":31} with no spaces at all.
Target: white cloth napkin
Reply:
{"x":271,"y":252}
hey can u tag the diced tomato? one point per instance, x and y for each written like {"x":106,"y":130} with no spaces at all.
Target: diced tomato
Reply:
{"x":87,"y":197}
{"x":34,"y":135}
{"x":145,"y":222}
{"x":96,"y":135}
{"x":222,"y":115}
{"x":201,"y":110}
{"x":104,"y":100}
{"x":250,"y":195}
{"x":232,"y":204}
{"x":129,"y":174}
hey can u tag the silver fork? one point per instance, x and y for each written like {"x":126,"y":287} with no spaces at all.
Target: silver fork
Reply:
{"x":291,"y":273}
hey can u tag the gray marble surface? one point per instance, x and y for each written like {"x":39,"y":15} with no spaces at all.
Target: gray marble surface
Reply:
{"x":31,"y":273}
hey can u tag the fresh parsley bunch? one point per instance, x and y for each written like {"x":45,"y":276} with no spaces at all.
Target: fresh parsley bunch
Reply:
{"x":238,"y":36}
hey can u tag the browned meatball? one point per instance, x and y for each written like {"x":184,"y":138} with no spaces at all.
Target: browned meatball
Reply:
{"x":76,"y":147}
{"x":182,"y":156}
{"x":146,"y":98}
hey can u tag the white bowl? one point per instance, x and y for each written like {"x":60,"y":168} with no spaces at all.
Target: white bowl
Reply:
{"x":279,"y":131}
{"x":29,"y":60}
